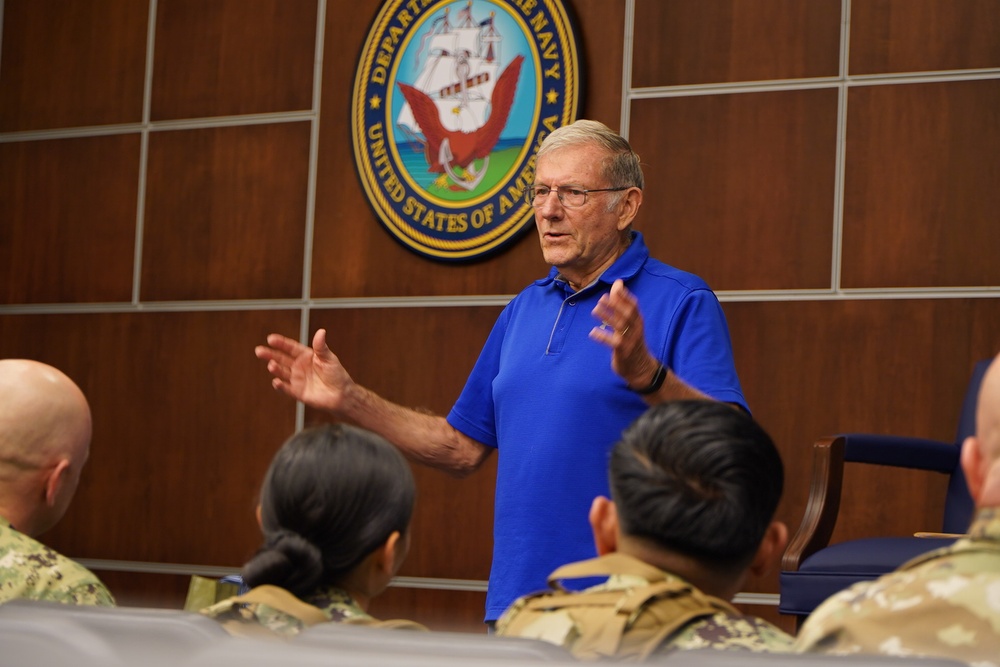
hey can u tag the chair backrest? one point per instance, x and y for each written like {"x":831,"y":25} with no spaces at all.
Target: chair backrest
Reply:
{"x":958,"y":504}
{"x":252,"y":652}
{"x":57,"y":642}
{"x":133,"y":632}
{"x":346,"y":637}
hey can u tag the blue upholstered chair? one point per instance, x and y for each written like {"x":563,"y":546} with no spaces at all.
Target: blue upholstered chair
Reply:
{"x":812,"y":569}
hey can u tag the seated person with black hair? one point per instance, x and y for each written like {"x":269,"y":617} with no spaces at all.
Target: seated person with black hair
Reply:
{"x":335,"y":511}
{"x":694,"y":487}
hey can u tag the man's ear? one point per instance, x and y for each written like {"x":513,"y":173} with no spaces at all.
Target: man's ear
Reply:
{"x":972,"y":465}
{"x":629,"y":207}
{"x":55,"y":481}
{"x":770,"y":550}
{"x":604,"y":523}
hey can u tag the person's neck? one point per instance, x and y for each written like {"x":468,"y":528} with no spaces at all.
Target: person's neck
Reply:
{"x":687,"y":568}
{"x":354,"y":584}
{"x":582,"y":280}
{"x":17,"y":518}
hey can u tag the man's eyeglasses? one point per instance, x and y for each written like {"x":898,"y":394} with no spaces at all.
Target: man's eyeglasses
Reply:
{"x":570,"y":197}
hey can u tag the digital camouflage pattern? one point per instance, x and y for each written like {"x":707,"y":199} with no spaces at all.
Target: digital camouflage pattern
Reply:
{"x":335,"y":603}
{"x":943,"y":604}
{"x":702,"y":621}
{"x":733,"y":631}
{"x":33,"y":571}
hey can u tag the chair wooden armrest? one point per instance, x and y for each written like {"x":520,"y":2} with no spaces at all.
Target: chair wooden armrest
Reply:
{"x":823,"y":504}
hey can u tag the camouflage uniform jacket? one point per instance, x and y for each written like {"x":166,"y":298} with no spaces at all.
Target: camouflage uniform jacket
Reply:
{"x":31,"y":570}
{"x":945,"y":604}
{"x":726,"y":629}
{"x":335,"y":603}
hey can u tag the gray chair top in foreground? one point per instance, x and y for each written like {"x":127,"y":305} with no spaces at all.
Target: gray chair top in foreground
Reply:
{"x":131,"y":632}
{"x":254,"y":652}
{"x":56,"y":642}
{"x":450,"y":644}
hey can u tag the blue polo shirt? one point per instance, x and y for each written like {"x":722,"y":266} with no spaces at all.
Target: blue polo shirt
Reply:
{"x":544,"y":394}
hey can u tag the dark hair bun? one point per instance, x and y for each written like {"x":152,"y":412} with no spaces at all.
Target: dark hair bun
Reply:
{"x":286,"y":557}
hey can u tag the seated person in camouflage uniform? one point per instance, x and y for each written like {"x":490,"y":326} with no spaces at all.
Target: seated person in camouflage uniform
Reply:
{"x":45,"y":433}
{"x":946,"y":603}
{"x":694,"y":487}
{"x":335,"y":511}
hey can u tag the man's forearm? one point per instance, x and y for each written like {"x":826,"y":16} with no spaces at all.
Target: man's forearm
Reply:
{"x":423,"y":437}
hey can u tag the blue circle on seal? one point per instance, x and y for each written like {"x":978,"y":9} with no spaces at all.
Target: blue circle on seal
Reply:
{"x":451,"y":101}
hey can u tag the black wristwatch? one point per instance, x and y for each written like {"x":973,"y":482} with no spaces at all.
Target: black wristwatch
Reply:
{"x":658,"y":378}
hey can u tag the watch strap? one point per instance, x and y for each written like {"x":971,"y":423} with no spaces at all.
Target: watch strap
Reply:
{"x":658,"y":378}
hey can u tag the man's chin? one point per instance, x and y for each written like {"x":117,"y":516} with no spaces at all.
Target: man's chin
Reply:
{"x":556,"y":254}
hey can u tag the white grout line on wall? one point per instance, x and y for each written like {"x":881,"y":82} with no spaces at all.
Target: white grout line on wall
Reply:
{"x":427,"y":583}
{"x":311,"y":187}
{"x":840,"y":159}
{"x":485,"y":301}
{"x":628,"y":41}
{"x":140,"y":199}
{"x":781,"y":85}
{"x":183,"y":569}
{"x":159,"y":126}
{"x":855,"y":294}
{"x":268,"y":118}
{"x":700,"y":90}
{"x":940,"y":76}
{"x":315,"y":128}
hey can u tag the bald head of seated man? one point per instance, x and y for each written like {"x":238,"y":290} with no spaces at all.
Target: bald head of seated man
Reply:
{"x":45,"y":432}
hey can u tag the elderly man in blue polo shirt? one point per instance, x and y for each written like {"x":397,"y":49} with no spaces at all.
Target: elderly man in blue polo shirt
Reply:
{"x":570,"y":362}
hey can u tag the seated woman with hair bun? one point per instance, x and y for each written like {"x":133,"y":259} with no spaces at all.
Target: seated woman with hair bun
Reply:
{"x":335,"y":511}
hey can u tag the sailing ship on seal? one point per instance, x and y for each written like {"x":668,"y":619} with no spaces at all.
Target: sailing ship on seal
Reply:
{"x":458,"y":104}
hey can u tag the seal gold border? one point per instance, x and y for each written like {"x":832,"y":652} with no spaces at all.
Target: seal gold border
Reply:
{"x":473,"y":209}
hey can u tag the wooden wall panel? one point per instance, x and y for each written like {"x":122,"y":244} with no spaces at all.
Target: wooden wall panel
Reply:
{"x":740,"y":188}
{"x":231,"y":57}
{"x":923,"y":35}
{"x":453,"y":611}
{"x":67,"y":219}
{"x":921,"y":195}
{"x":601,"y":29}
{"x":421,"y":358}
{"x":69,"y":64}
{"x":185,"y":424}
{"x":678,"y":42}
{"x":815,"y":368}
{"x":226,"y":212}
{"x":140,"y":589}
